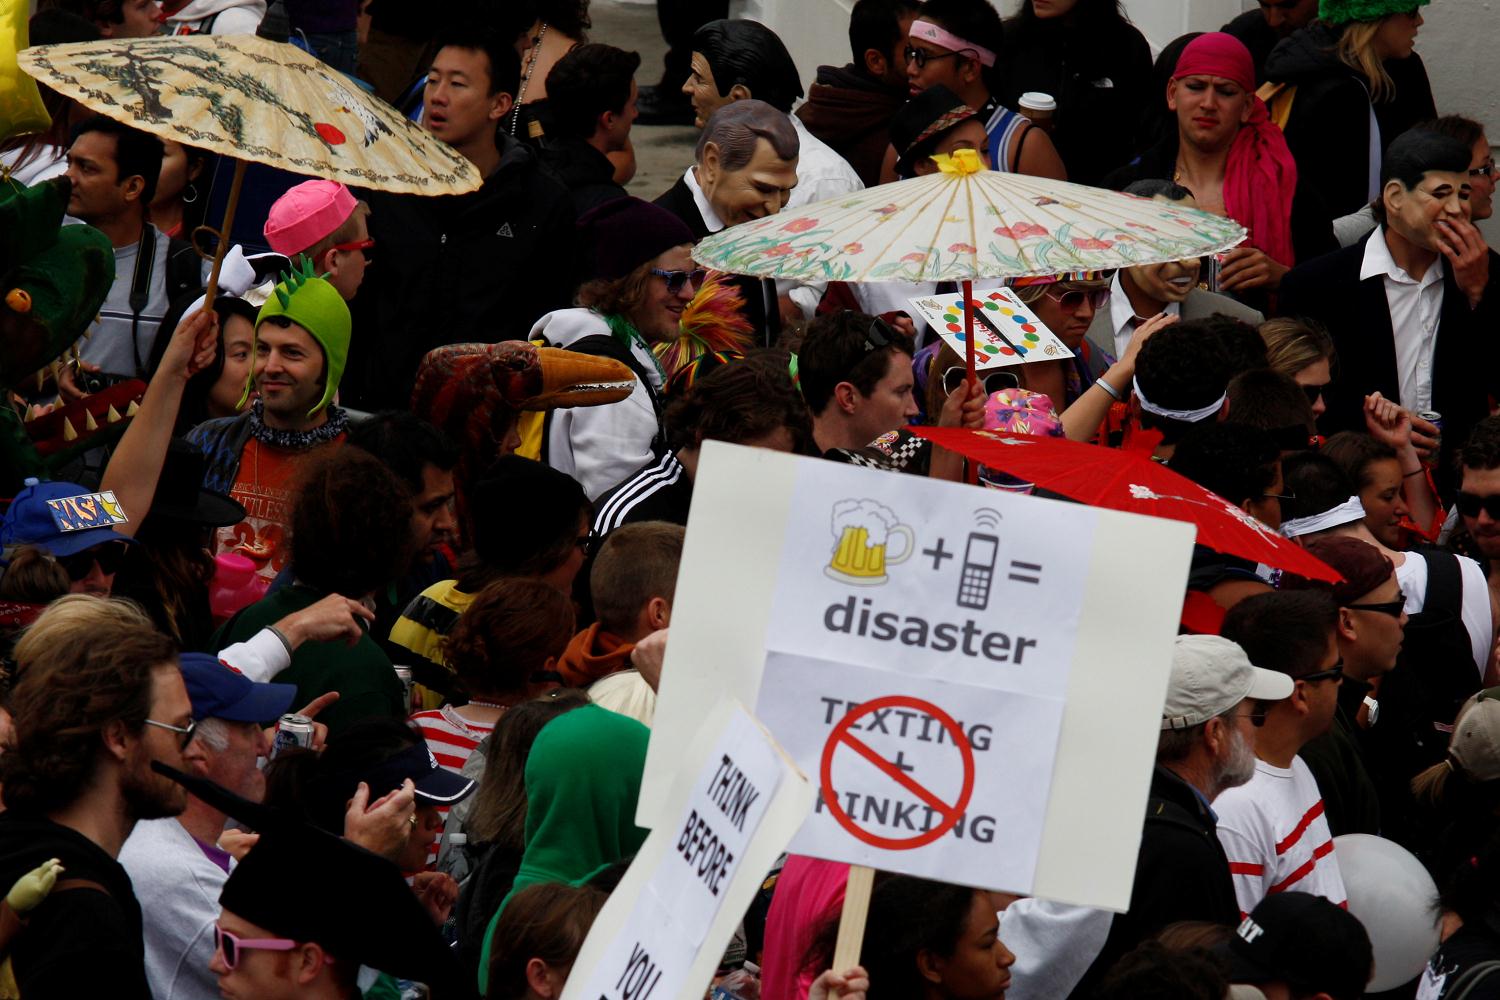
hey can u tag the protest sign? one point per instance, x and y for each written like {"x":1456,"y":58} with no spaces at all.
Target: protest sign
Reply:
{"x":1006,"y":331}
{"x":735,"y":804}
{"x":973,"y":678}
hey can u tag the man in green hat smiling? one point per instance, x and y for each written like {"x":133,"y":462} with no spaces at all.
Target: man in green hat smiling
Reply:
{"x":301,"y":345}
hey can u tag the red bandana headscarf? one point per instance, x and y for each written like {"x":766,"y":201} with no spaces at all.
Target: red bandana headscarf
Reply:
{"x":1261,"y":176}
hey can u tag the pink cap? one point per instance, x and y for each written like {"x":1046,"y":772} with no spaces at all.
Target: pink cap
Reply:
{"x":306,"y":214}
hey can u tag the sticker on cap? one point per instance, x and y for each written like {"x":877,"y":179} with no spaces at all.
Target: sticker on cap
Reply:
{"x":87,"y":510}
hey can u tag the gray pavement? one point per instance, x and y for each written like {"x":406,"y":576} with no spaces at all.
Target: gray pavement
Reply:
{"x":662,"y":152}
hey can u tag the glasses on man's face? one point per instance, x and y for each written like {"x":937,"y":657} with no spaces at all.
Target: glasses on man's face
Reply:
{"x":230,"y":945}
{"x":1485,"y":169}
{"x":1393,"y":608}
{"x":922,"y":57}
{"x":1470,"y":504}
{"x":80,"y":564}
{"x":676,"y":279}
{"x":1335,"y":672}
{"x":184,"y":733}
{"x":1074,"y":299}
{"x":1257,"y":718}
{"x":993,"y":382}
{"x":364,"y":246}
{"x":1278,"y":496}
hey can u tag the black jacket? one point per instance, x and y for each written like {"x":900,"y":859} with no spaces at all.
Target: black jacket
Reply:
{"x":80,"y":942}
{"x":1101,"y":80}
{"x":1181,"y":873}
{"x":1328,"y":129}
{"x":1251,"y":28}
{"x":1328,"y":289}
{"x":481,"y":266}
{"x":583,"y":170}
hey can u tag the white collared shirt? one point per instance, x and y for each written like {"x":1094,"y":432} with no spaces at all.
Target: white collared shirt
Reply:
{"x":1121,"y":313}
{"x":1415,"y":308}
{"x":710,"y":217}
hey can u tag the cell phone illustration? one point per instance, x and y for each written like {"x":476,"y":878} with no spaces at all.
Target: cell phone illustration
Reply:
{"x":978,"y":571}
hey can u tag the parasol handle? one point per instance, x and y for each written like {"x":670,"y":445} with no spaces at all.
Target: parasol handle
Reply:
{"x":212,"y":291}
{"x":972,"y":467}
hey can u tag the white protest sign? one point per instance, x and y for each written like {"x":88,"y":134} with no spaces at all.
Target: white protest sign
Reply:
{"x":973,"y":678}
{"x":735,"y":805}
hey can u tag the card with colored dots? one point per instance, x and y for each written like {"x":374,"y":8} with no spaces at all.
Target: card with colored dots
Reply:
{"x":1006,"y":331}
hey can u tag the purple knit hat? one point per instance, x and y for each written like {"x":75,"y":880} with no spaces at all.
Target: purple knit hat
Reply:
{"x":625,"y":233}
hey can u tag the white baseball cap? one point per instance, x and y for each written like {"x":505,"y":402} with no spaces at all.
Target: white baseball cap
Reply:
{"x":1211,"y":675}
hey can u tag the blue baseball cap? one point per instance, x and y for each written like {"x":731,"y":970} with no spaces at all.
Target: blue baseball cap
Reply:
{"x":62,"y":518}
{"x":218,"y":691}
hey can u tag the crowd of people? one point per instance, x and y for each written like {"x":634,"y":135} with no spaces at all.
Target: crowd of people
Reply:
{"x":333,"y":674}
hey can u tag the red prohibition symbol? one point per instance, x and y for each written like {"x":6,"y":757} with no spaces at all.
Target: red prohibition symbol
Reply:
{"x":842,"y":736}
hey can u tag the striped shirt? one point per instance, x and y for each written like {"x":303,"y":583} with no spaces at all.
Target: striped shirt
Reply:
{"x":658,"y":491}
{"x":451,"y":738}
{"x":1276,"y":837}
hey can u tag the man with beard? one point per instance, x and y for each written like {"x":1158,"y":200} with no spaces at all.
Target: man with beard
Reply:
{"x":1273,"y":829}
{"x":90,"y":717}
{"x":178,"y":866}
{"x":1205,"y":748}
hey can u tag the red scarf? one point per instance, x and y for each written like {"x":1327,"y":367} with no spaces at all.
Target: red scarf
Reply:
{"x":1261,"y":176}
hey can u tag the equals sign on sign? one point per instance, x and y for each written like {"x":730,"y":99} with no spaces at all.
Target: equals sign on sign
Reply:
{"x":1025,"y":572}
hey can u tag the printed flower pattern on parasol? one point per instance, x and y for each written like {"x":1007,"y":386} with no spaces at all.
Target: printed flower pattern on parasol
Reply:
{"x":965,"y":222}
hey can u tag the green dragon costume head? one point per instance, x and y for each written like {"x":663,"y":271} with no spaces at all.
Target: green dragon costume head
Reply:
{"x":316,"y":306}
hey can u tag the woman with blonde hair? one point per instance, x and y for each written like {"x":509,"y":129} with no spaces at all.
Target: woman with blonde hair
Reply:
{"x":1347,"y":85}
{"x":1303,"y":351}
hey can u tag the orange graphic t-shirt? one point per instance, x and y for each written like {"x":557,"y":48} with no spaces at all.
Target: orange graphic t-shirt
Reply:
{"x":263,"y":486}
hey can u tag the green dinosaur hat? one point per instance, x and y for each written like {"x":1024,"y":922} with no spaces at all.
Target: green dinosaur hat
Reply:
{"x":1344,"y":11}
{"x":317,"y":307}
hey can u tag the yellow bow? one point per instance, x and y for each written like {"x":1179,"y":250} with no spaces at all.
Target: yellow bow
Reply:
{"x":960,"y":162}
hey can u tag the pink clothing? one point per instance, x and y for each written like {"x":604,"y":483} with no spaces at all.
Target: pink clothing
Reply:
{"x":808,"y":893}
{"x":1260,"y":177}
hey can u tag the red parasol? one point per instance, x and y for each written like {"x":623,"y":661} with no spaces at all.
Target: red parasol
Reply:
{"x":1130,"y":481}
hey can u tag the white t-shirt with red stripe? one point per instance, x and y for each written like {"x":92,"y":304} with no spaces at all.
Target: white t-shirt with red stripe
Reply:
{"x":1276,"y":837}
{"x":451,"y":738}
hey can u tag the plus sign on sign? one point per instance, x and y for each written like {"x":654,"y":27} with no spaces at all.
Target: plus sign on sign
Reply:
{"x":972,"y":679}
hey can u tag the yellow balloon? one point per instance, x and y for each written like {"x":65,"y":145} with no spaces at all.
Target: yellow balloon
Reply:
{"x":21,"y":109}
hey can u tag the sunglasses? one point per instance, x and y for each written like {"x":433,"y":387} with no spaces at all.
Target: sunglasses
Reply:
{"x":588,"y":544}
{"x":229,"y":946}
{"x":1314,"y":392}
{"x":922,"y":57}
{"x":1073,"y":299}
{"x":364,"y":246}
{"x":1258,"y":718}
{"x":1470,"y":504}
{"x":878,"y":335}
{"x":1485,"y":169}
{"x":676,"y":279}
{"x":993,"y":382}
{"x":1334,"y":672}
{"x":1392,"y":608}
{"x":81,"y":564}
{"x":185,"y":732}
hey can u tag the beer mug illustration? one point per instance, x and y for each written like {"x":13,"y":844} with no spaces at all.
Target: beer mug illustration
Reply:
{"x":862,"y":530}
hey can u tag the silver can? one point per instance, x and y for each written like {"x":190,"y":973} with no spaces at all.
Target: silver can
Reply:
{"x":403,"y":674}
{"x":1435,"y":419}
{"x":292,"y":731}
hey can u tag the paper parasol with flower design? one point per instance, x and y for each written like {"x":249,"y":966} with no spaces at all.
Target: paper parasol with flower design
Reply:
{"x":965,"y":222}
{"x":256,"y":101}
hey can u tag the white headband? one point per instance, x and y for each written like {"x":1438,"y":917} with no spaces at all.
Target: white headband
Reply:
{"x":929,"y":32}
{"x":1348,"y":512}
{"x":1186,"y":416}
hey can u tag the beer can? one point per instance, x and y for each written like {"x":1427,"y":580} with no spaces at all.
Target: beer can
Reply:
{"x":1436,"y":419}
{"x":403,"y":674}
{"x":292,"y":731}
